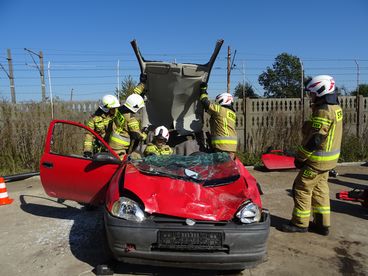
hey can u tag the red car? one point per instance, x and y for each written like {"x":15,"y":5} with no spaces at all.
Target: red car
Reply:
{"x":200,"y":210}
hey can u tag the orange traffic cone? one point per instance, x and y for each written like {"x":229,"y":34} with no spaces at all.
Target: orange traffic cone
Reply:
{"x":4,"y":198}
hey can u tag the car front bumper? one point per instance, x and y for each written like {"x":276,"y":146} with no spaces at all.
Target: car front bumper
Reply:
{"x":243,"y":246}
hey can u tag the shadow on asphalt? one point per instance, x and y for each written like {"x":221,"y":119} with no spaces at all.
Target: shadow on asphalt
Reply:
{"x":121,"y":268}
{"x":278,"y":221}
{"x":352,"y":209}
{"x":87,"y":238}
{"x":347,"y":184}
{"x":356,"y":176}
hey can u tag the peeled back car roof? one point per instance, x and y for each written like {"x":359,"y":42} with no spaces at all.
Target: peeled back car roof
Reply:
{"x":173,"y":92}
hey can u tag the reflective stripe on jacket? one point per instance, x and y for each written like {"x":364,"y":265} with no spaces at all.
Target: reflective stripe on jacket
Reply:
{"x":153,"y":149}
{"x":139,"y":89}
{"x":326,"y":121}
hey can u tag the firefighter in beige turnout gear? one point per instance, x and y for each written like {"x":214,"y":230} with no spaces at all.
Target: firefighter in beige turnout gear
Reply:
{"x":318,"y":153}
{"x":158,"y":145}
{"x":125,"y":126}
{"x":100,"y":122}
{"x":222,"y":121}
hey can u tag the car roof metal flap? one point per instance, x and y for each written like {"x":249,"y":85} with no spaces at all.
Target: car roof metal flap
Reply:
{"x":172,"y":91}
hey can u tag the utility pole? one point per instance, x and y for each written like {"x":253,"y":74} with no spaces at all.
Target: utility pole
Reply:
{"x":228,"y":68}
{"x":50,"y":87}
{"x":357,"y":101}
{"x":243,"y":73}
{"x":244,"y":109}
{"x":10,"y":76}
{"x":302,"y":89}
{"x":71,"y":94}
{"x":40,"y":70}
{"x":118,"y":77}
{"x":42,"y":74}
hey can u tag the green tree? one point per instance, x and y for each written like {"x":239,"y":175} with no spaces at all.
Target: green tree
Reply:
{"x":283,"y":79}
{"x":363,"y":90}
{"x":244,"y":90}
{"x":127,"y":87}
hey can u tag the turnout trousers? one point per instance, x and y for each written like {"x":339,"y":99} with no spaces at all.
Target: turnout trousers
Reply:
{"x":311,"y":195}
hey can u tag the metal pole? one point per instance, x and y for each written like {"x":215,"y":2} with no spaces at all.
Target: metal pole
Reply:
{"x":243,"y":72}
{"x":11,"y":78}
{"x":302,"y":89}
{"x":42,"y":74}
{"x":50,"y":87}
{"x":118,"y":74}
{"x":228,"y":69}
{"x":244,"y":109}
{"x":357,"y":101}
{"x":71,"y":94}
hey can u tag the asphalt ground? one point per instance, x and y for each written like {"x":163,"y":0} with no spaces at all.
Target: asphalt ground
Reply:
{"x":39,"y":236}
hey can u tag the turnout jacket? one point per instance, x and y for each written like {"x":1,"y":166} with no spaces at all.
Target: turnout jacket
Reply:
{"x":124,"y":127}
{"x":99,"y":122}
{"x":222,"y":125}
{"x":322,"y":133}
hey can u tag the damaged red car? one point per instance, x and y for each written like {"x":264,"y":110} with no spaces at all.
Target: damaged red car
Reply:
{"x":191,"y":209}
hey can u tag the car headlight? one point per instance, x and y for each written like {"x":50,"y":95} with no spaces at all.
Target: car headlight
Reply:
{"x":249,"y":213}
{"x":128,"y":209}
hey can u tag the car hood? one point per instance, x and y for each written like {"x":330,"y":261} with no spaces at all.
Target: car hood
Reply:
{"x":190,"y":199}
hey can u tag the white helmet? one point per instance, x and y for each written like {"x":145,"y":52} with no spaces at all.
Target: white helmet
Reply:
{"x":162,"y":132}
{"x":134,"y":102}
{"x":224,"y":99}
{"x":107,"y":102}
{"x":321,"y":85}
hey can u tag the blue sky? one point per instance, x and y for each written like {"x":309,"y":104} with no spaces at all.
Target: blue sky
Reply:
{"x":83,"y":40}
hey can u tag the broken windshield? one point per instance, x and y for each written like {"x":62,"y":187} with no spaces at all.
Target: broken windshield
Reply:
{"x":211,"y":169}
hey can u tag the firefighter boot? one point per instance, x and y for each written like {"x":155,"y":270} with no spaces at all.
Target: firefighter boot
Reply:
{"x":293,"y":228}
{"x":319,"y":229}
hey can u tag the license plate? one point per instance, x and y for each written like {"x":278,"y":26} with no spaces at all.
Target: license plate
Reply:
{"x":189,"y":240}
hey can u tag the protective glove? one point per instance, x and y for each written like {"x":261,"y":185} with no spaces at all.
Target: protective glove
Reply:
{"x":143,"y":78}
{"x":203,"y":88}
{"x":298,"y":163}
{"x":87,"y":154}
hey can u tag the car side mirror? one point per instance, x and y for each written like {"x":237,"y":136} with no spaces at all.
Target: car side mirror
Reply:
{"x":105,"y":157}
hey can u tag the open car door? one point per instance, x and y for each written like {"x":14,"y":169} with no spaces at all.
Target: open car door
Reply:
{"x":66,"y":174}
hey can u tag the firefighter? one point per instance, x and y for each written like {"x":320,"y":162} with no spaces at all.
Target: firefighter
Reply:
{"x":125,"y":126}
{"x":222,"y":121}
{"x":158,"y":145}
{"x":99,"y":122}
{"x":317,"y":154}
